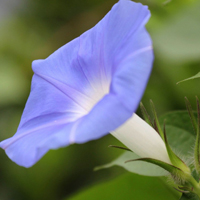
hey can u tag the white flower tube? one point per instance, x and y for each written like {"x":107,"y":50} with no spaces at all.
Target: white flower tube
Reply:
{"x":142,"y":139}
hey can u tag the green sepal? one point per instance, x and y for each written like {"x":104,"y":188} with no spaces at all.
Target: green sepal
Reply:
{"x":182,"y":191}
{"x":166,"y":2}
{"x":156,"y":122}
{"x":197,"y":143}
{"x":145,"y":114}
{"x":175,"y":160}
{"x":141,"y":168}
{"x":185,"y":189}
{"x":118,"y":147}
{"x":176,"y":173}
{"x":195,"y":175}
{"x":193,"y":77}
{"x":191,"y":114}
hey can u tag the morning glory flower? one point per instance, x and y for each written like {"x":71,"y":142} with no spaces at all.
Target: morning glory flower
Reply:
{"x":87,"y":88}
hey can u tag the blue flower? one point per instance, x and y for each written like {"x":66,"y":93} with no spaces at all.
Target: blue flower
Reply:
{"x":88,"y":87}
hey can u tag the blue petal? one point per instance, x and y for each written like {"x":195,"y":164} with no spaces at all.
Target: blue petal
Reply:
{"x":88,"y":87}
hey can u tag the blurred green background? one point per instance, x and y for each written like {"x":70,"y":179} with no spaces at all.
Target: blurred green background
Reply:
{"x":33,"y":29}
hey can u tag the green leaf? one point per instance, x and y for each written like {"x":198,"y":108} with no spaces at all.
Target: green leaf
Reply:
{"x":142,"y":168}
{"x":170,"y":168}
{"x":189,"y":197}
{"x":179,"y":119}
{"x":193,"y":77}
{"x":166,"y":2}
{"x":180,"y":133}
{"x":129,"y":186}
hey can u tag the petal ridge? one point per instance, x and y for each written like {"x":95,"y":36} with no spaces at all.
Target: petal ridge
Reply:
{"x":55,"y":82}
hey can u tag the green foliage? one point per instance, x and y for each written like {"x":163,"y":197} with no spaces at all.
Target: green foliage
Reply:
{"x":178,"y":119}
{"x":138,"y":167}
{"x":189,"y":197}
{"x":191,"y":78}
{"x":179,"y":40}
{"x":172,"y":169}
{"x":41,"y":27}
{"x":57,"y":12}
{"x":180,"y":136}
{"x":129,"y":186}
